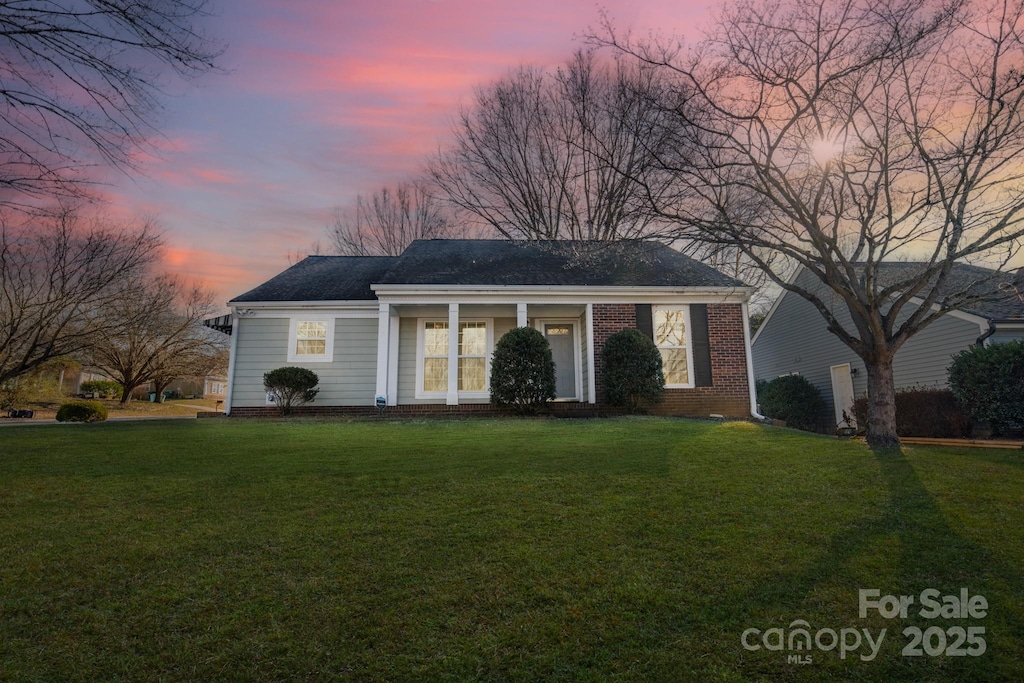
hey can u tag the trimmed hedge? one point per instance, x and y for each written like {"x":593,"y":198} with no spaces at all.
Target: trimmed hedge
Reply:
{"x":794,"y":400}
{"x":82,"y":411}
{"x":988,"y":382}
{"x":291,"y":387}
{"x":522,"y":370}
{"x":932,"y":413}
{"x":633,"y":375}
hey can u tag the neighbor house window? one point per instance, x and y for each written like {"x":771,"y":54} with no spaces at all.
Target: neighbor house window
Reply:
{"x":311,"y":340}
{"x":671,"y":333}
{"x":474,"y":349}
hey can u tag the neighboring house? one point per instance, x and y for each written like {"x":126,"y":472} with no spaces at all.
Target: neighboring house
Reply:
{"x":794,"y":337}
{"x":416,"y":332}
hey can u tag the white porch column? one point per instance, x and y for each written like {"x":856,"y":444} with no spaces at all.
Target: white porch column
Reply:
{"x":453,"y":355}
{"x":393,"y":360}
{"x":591,"y":379}
{"x":520,"y":315}
{"x":383,"y":350}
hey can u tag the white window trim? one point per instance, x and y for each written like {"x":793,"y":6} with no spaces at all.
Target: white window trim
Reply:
{"x":688,"y":333}
{"x":420,"y":354}
{"x":293,"y":333}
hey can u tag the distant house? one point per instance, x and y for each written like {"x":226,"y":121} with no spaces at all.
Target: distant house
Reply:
{"x":794,"y":337}
{"x":416,"y":332}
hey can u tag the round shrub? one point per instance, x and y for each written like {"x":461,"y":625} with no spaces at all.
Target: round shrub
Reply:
{"x":793,"y":399}
{"x":632,"y":371}
{"x":291,"y":387}
{"x":82,"y":411}
{"x":522,"y":370}
{"x":988,"y":381}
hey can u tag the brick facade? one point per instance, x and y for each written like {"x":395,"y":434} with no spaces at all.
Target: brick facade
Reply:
{"x":608,"y":319}
{"x":729,"y":394}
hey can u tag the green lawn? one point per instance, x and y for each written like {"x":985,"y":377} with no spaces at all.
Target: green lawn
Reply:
{"x":490,"y":550}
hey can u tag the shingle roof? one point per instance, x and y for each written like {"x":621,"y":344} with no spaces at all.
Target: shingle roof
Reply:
{"x":991,"y":294}
{"x":323,"y":278}
{"x":634,"y":263}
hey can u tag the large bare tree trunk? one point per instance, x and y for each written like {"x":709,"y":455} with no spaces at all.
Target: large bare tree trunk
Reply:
{"x":881,"y":404}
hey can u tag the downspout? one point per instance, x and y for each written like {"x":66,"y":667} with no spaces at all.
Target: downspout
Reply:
{"x":231,"y":362}
{"x":980,"y":341}
{"x":751,"y":384}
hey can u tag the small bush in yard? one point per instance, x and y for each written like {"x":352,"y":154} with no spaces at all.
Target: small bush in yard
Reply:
{"x":103,"y":388}
{"x":82,"y":411}
{"x":988,"y":382}
{"x":522,"y":370}
{"x":291,"y":387}
{"x":930,"y":413}
{"x":632,"y":371}
{"x":793,"y":399}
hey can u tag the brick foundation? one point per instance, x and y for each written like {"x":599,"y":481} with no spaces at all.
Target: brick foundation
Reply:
{"x":557,"y":409}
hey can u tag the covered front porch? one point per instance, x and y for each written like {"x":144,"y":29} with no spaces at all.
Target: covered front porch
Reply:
{"x":439,"y":352}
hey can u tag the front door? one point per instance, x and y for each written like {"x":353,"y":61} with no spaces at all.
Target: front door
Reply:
{"x":562,"y":339}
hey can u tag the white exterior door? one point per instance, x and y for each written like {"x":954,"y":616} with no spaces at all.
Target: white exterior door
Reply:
{"x":842,"y":392}
{"x":561,"y":337}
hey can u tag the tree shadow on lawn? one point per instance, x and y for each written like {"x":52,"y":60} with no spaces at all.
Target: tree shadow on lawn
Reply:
{"x":904,"y":550}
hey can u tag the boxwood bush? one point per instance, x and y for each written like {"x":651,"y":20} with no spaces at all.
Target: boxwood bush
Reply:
{"x":291,"y":387}
{"x":632,"y":371}
{"x":522,"y":371}
{"x":988,"y":381}
{"x":82,"y":411}
{"x":794,"y":400}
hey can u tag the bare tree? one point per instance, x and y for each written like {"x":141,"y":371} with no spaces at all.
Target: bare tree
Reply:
{"x":158,"y":334}
{"x":388,"y":220}
{"x":836,"y":135}
{"x":58,"y":275}
{"x":79,"y":84}
{"x":558,"y":155}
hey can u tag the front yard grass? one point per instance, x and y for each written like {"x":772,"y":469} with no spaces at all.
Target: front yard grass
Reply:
{"x":637,"y":548}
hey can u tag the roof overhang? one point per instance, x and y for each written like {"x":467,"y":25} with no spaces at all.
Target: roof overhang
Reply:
{"x":556,"y":294}
{"x":276,"y":309}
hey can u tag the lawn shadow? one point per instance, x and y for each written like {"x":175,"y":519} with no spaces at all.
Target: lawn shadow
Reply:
{"x":930,"y":554}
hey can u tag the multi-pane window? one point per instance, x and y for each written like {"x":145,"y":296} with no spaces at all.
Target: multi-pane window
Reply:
{"x":311,"y":339}
{"x":670,"y":337}
{"x":435,"y":357}
{"x":472,"y":356}
{"x":472,"y":353}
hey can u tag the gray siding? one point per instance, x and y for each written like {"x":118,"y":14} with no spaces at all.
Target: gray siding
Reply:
{"x":796,"y":339}
{"x":350,"y":380}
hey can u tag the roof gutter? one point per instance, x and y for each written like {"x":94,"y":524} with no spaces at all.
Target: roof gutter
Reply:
{"x":980,"y":341}
{"x":751,"y":383}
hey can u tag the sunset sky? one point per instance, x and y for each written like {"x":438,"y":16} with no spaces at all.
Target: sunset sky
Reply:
{"x":325,"y":99}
